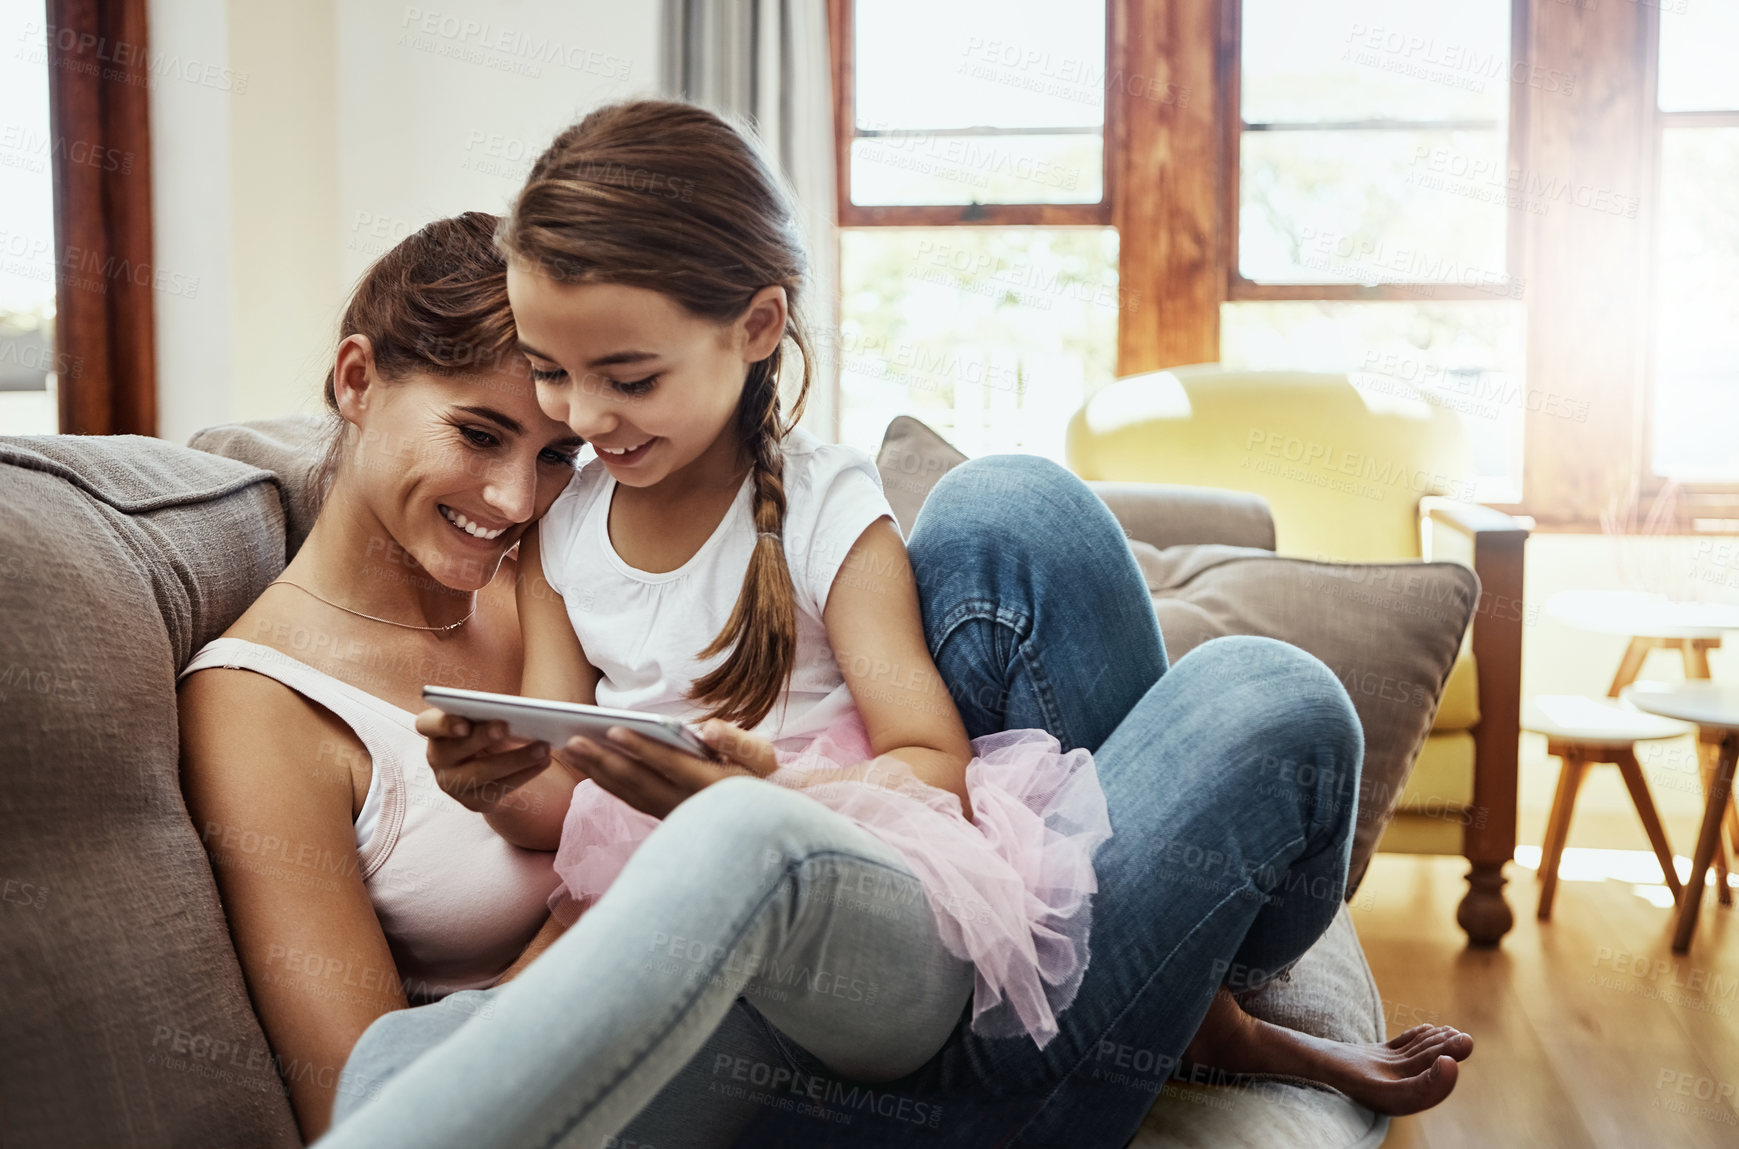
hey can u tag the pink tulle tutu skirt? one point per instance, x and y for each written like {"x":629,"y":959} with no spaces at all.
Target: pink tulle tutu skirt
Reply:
{"x":1011,"y":889}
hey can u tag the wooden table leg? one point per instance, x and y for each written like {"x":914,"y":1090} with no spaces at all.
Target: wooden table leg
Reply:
{"x":1720,"y":789}
{"x":1629,"y":665}
{"x":1695,"y":652}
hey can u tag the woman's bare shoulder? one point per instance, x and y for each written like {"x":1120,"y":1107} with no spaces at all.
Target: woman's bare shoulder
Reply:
{"x":239,"y":720}
{"x":246,"y":725}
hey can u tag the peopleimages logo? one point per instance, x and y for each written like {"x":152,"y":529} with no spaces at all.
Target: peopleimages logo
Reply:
{"x":513,"y":50}
{"x":87,"y":53}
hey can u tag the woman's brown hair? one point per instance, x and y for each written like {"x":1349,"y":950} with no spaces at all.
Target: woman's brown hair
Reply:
{"x":436,"y":303}
{"x":670,"y":197}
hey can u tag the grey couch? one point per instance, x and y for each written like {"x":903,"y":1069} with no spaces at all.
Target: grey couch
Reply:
{"x":126,"y":1017}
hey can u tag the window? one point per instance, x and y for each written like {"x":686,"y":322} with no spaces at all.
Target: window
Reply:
{"x":1519,"y":211}
{"x":75,"y":188}
{"x":1695,"y":363}
{"x":1371,"y":208}
{"x":978,"y":273}
{"x":28,"y":377}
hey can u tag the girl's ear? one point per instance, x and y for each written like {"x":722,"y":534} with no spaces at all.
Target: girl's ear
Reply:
{"x":763,"y":323}
{"x":353,"y":377}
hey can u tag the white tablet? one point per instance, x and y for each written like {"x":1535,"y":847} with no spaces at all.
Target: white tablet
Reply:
{"x":555,"y":722}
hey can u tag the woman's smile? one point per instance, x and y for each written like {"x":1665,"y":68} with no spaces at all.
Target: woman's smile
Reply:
{"x":474,"y":531}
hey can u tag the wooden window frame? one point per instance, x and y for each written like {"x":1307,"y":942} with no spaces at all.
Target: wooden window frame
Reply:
{"x":841,"y":33}
{"x":105,"y":321}
{"x":1240,"y":289}
{"x":1161,"y":178}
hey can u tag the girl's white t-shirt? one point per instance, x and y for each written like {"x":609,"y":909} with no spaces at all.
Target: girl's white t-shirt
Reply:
{"x":643,"y":630}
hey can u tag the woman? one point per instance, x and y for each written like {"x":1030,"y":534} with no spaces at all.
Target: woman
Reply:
{"x":442,"y":426}
{"x":309,"y":741}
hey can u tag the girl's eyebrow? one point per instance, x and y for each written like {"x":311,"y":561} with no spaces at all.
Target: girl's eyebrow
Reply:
{"x":613,"y":359}
{"x":620,"y":357}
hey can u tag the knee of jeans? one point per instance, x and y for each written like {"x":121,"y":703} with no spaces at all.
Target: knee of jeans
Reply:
{"x":1008,"y":498}
{"x":1299,"y":714}
{"x":979,"y":490}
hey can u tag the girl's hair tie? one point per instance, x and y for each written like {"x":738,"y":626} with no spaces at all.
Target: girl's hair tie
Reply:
{"x":774,"y":535}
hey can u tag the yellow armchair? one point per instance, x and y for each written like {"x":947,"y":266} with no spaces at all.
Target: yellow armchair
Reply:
{"x":1358,"y":474}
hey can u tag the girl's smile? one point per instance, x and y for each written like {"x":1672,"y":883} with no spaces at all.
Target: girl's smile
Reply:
{"x":625,"y":456}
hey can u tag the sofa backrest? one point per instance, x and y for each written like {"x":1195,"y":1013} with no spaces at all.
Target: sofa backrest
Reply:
{"x":127,"y":1021}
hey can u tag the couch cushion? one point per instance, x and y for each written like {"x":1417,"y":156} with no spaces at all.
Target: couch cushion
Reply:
{"x":126,"y":1017}
{"x":1389,"y":632}
{"x":1329,"y":993}
{"x":292,"y":448}
{"x":913,"y":459}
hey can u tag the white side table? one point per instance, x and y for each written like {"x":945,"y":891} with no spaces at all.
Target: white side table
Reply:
{"x":1715,"y":710}
{"x":1651,"y":622}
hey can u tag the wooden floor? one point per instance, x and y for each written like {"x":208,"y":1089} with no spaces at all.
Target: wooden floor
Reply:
{"x":1588,"y":1030}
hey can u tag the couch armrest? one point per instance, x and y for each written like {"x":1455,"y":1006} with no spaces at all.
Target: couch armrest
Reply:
{"x":1164,"y":515}
{"x":1492,"y":544}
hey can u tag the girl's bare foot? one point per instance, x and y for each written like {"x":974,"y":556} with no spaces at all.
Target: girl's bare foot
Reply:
{"x":1411,"y":1071}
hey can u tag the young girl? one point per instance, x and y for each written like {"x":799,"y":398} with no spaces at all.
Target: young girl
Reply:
{"x":715,"y":562}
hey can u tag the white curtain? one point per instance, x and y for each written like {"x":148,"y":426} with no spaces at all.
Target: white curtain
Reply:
{"x":766,"y":61}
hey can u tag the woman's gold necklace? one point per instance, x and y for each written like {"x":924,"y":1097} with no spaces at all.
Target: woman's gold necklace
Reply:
{"x":374,"y":618}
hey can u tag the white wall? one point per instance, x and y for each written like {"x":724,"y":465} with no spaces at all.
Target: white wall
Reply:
{"x":343,"y":128}
{"x":190,"y":196}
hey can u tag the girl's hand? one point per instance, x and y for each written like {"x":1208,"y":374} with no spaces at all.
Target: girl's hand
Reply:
{"x":477,"y":763}
{"x":654,"y":778}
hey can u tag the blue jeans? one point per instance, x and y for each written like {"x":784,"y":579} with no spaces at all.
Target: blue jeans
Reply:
{"x":1232,"y":781}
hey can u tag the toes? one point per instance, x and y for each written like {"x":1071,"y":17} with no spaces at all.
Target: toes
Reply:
{"x":1402,"y":1040}
{"x":1442,"y":1077}
{"x":1424,"y":1037}
{"x":1429,"y":1088}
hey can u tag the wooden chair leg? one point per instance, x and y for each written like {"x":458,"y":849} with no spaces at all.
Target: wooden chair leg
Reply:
{"x":1631,"y":770}
{"x":1558,"y":828}
{"x":1629,"y":665}
{"x":1707,"y":839}
{"x":1733,"y":825}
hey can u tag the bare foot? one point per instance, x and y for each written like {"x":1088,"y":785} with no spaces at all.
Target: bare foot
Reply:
{"x":1411,"y":1071}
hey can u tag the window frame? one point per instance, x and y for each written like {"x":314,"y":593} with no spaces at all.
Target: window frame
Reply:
{"x":842,"y":34}
{"x":1161,"y":180}
{"x":1241,"y":290}
{"x":101,"y":97}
